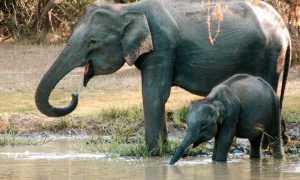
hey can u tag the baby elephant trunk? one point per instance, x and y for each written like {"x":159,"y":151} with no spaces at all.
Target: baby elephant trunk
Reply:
{"x":188,"y":140}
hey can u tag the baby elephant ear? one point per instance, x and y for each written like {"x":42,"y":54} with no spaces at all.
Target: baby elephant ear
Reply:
{"x":136,"y":38}
{"x":221,"y":110}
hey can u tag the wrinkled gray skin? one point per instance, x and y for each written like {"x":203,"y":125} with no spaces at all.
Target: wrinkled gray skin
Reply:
{"x":170,"y":46}
{"x":243,"y":106}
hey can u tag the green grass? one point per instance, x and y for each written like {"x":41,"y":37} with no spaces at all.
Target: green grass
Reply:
{"x":179,"y":116}
{"x":290,"y":116}
{"x":132,"y":112}
{"x":124,"y":127}
{"x":119,"y":147}
{"x":11,"y":139}
{"x":121,"y":133}
{"x":291,"y":107}
{"x":138,"y":148}
{"x":60,"y":124}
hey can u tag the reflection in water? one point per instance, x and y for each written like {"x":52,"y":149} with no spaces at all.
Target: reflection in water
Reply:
{"x":266,"y":168}
{"x":69,"y":159}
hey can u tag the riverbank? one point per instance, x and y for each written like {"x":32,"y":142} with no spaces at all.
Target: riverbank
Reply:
{"x":129,"y":140}
{"x":120,"y":132}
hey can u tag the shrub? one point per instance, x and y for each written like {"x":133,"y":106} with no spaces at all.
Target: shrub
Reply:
{"x":39,"y":20}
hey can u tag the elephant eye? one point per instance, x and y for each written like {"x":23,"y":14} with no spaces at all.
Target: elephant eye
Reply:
{"x":92,"y":41}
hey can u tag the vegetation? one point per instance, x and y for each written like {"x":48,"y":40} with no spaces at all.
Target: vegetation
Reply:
{"x":60,"y":124}
{"x":139,"y":148}
{"x":178,"y":117}
{"x":11,"y":139}
{"x":123,"y":134}
{"x":290,"y":12}
{"x":39,"y":20}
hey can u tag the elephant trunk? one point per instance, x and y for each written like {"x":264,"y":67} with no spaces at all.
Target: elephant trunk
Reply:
{"x":188,"y":140}
{"x":62,"y":66}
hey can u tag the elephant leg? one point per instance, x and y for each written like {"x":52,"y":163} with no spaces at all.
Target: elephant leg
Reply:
{"x":223,"y":141}
{"x":255,"y":147}
{"x":156,"y":82}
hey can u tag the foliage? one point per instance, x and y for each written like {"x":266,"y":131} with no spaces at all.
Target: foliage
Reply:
{"x":132,"y":112}
{"x":35,"y":19}
{"x":122,"y":124}
{"x":60,"y":124}
{"x":291,"y":116}
{"x":11,"y":139}
{"x":290,"y":12}
{"x":139,"y":148}
{"x":178,"y":116}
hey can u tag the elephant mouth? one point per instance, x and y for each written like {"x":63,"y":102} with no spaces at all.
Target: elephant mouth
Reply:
{"x":88,"y":73}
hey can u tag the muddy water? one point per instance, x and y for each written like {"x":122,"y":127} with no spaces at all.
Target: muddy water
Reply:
{"x":68,"y":158}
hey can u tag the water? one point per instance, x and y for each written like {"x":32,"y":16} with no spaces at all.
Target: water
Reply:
{"x":68,"y":158}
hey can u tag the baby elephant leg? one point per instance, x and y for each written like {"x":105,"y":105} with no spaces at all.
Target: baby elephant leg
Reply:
{"x":223,"y":141}
{"x":255,"y":147}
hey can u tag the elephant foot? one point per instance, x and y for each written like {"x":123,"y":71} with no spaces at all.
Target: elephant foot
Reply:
{"x":277,"y":155}
{"x":158,"y":148}
{"x":254,"y":156}
{"x":219,"y":157}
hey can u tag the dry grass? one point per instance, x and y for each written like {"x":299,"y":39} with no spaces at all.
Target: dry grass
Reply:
{"x":22,"y":67}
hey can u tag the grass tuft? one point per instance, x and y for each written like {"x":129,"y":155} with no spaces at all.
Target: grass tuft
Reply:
{"x":138,"y":148}
{"x":121,"y":147}
{"x":133,"y":112}
{"x":179,"y":116}
{"x":60,"y":124}
{"x":11,"y":139}
{"x":291,"y":116}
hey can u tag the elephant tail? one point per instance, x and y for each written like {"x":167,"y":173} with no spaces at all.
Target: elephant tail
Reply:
{"x":286,"y":67}
{"x":287,"y":62}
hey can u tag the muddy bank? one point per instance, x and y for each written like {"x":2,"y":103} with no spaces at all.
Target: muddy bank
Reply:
{"x":26,"y":124}
{"x":50,"y":128}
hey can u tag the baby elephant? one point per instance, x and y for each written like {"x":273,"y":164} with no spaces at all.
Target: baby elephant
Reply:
{"x":243,"y":106}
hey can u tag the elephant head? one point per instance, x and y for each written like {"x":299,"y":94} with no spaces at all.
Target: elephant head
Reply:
{"x":106,"y":38}
{"x":202,"y":119}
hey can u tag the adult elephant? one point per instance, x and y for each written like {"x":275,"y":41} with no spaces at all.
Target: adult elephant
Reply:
{"x":170,"y":46}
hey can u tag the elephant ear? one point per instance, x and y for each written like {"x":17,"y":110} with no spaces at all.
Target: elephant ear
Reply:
{"x":221,"y":110}
{"x":136,"y":38}
{"x":230,"y":102}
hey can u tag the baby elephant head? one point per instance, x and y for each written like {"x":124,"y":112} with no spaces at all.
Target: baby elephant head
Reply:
{"x":202,"y":119}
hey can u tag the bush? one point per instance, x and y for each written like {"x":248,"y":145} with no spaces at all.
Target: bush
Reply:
{"x":290,"y":12}
{"x":37,"y":20}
